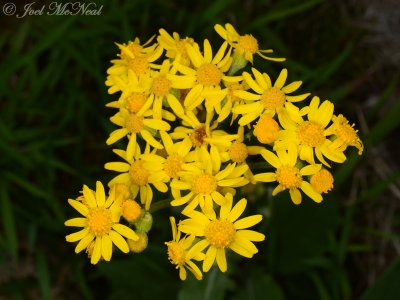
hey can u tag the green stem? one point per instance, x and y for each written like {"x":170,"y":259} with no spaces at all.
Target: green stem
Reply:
{"x":160,"y":205}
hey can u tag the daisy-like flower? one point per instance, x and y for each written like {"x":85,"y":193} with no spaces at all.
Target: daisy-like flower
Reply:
{"x":140,"y":170}
{"x":181,"y":252}
{"x":224,"y":109}
{"x":100,"y":224}
{"x":176,"y":46}
{"x":245,"y":45}
{"x":140,"y":65}
{"x":203,"y":136}
{"x":239,"y":151}
{"x":137,"y":123}
{"x":206,"y":75}
{"x":128,"y":53}
{"x":204,"y":181}
{"x":176,"y":155}
{"x":135,"y":92}
{"x":311,"y":135}
{"x":162,"y":85}
{"x":270,"y":98}
{"x":345,"y":134}
{"x":288,"y":175}
{"x":225,"y":232}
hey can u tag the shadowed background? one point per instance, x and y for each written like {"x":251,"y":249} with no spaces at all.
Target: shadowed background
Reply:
{"x":53,"y":127}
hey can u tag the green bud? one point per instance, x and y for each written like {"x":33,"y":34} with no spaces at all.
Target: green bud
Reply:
{"x":144,"y":223}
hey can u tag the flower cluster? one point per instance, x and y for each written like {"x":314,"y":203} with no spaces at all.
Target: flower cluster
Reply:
{"x":191,"y":117}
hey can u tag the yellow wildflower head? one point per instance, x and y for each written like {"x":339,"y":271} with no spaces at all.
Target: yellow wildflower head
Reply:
{"x":100,"y":221}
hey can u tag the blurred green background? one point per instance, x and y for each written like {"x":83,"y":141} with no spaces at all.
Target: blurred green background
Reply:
{"x":53,"y":127}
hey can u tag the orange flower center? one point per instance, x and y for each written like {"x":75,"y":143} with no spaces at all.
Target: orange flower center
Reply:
{"x":204,"y":184}
{"x":209,"y":74}
{"x":139,"y":65}
{"x":173,"y":165}
{"x":134,"y":123}
{"x":273,"y":98}
{"x":288,"y":177}
{"x":135,"y":101}
{"x":138,"y":173}
{"x":161,"y":86}
{"x":176,"y":254}
{"x":220,"y":233}
{"x":310,"y":134}
{"x":198,"y":135}
{"x":238,"y":152}
{"x":248,"y":43}
{"x":99,"y":221}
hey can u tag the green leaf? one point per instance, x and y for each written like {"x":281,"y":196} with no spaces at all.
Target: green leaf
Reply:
{"x":8,"y":221}
{"x":43,"y":275}
{"x":387,"y":286}
{"x":283,"y":13}
{"x":299,"y":234}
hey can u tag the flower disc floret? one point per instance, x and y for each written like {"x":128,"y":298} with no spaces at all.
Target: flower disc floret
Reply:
{"x":135,"y":101}
{"x":204,"y":184}
{"x":138,"y":173}
{"x":134,"y":123}
{"x":99,"y":221}
{"x":289,"y":177}
{"x":220,"y":233}
{"x":173,"y":165}
{"x":273,"y":98}
{"x":238,"y":152}
{"x":311,"y":134}
{"x":248,"y":43}
{"x":209,"y":75}
{"x":176,"y":253}
{"x":139,"y":65}
{"x":198,"y":135}
{"x":161,"y":86}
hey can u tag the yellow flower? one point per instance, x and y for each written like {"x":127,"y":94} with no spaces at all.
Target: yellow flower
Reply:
{"x":245,"y":45}
{"x":205,"y":76}
{"x":162,"y":84}
{"x":288,"y":175}
{"x":141,"y":170}
{"x":181,"y":252}
{"x":266,"y":129}
{"x":135,"y":58}
{"x":311,"y":135}
{"x":176,"y":155}
{"x":322,"y":181}
{"x":270,"y":98}
{"x":175,"y":46}
{"x":345,"y":134}
{"x":204,"y":180}
{"x":203,"y":136}
{"x":224,"y":108}
{"x":227,"y":231}
{"x":239,"y":151}
{"x":100,"y":224}
{"x":137,"y":123}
